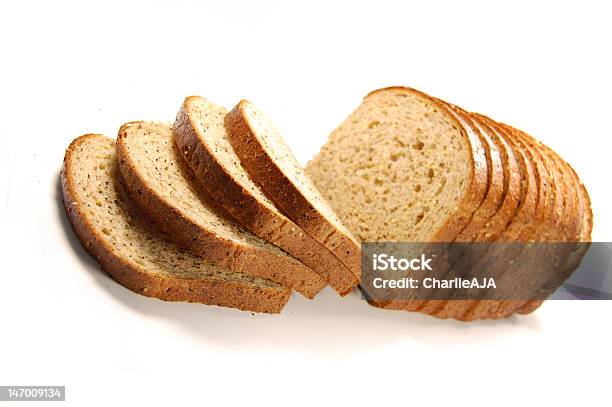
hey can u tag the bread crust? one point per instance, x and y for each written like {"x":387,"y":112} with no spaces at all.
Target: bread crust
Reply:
{"x":249,"y":211}
{"x":205,"y":242}
{"x":134,"y":277}
{"x":285,"y":194}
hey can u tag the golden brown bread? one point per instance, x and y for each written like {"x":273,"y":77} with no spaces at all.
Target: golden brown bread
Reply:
{"x":167,"y":191}
{"x":127,"y":246}
{"x":271,"y":164}
{"x":402,"y":168}
{"x":201,"y":137}
{"x":533,"y":197}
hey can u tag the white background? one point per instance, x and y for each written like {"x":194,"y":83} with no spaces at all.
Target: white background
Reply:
{"x":71,"y":68}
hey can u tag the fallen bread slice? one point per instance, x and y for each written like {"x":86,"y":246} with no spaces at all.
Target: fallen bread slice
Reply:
{"x":166,"y":190}
{"x":271,"y":164}
{"x":200,"y":134}
{"x":114,"y":231}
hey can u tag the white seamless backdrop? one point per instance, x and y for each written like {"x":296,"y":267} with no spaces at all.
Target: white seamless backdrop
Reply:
{"x":69,"y":68}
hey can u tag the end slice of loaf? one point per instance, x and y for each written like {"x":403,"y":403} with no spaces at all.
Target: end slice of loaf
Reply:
{"x":200,"y":134}
{"x":127,"y":246}
{"x":161,"y":184}
{"x":270,"y":162}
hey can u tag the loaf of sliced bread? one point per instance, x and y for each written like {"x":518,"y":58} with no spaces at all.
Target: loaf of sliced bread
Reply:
{"x":272,"y":165}
{"x":161,"y":184}
{"x":372,"y":169}
{"x":200,"y":134}
{"x":128,"y":246}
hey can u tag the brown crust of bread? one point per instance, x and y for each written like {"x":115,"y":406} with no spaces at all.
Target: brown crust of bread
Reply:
{"x":251,"y":213}
{"x":285,"y":194}
{"x":206,"y":243}
{"x":226,"y":294}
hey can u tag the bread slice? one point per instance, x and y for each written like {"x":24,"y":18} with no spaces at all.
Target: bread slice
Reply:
{"x":401,"y":168}
{"x":161,"y":184}
{"x":114,"y":231}
{"x":271,"y":164}
{"x":201,"y":137}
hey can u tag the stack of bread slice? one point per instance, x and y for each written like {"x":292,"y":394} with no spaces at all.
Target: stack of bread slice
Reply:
{"x":215,"y":208}
{"x":406,"y":167}
{"x":177,"y":212}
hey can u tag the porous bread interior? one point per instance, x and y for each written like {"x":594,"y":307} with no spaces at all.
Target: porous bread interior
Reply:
{"x":279,"y":152}
{"x":114,"y":217}
{"x":395,"y":169}
{"x":158,"y":161}
{"x":209,"y":119}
